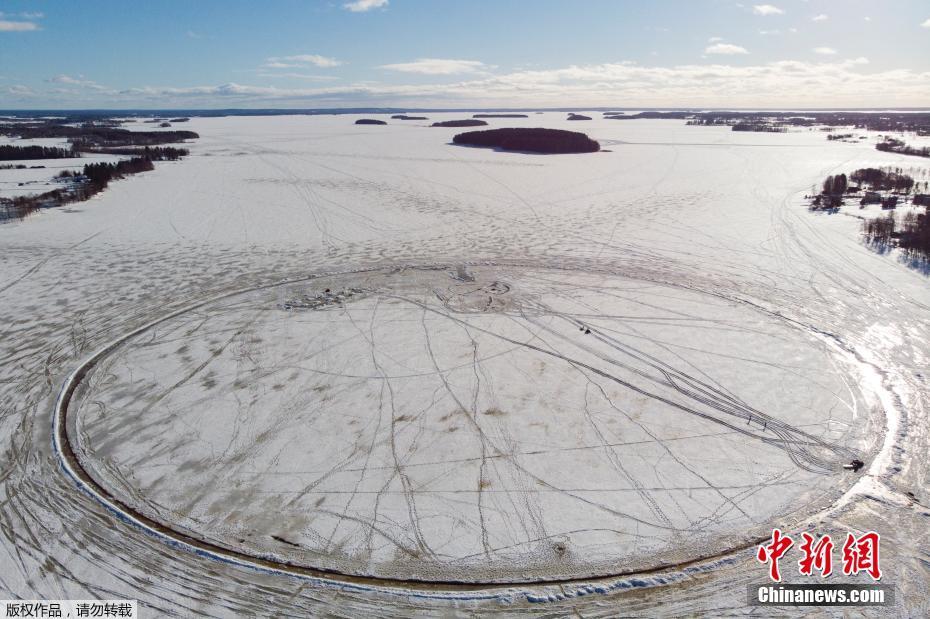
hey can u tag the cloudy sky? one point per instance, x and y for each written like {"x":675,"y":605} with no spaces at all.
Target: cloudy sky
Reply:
{"x":455,"y":53}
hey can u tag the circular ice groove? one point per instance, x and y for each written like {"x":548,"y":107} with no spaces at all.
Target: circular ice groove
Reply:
{"x":502,"y":425}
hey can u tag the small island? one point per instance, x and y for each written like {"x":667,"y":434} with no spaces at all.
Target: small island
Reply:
{"x":468,"y":122}
{"x":573,"y":116}
{"x":405,"y":117}
{"x":545,"y":141}
{"x":370,"y":121}
{"x":499,"y":116}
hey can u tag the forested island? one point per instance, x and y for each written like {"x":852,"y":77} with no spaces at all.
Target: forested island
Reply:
{"x":405,"y":117}
{"x":468,"y":122}
{"x":499,"y":116}
{"x":544,"y":141}
{"x":573,"y":116}
{"x":370,"y":121}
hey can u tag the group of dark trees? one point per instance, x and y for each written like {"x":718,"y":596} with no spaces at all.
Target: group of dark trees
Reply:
{"x":911,"y":234}
{"x":499,"y":116}
{"x":152,"y":153}
{"x":405,"y":117}
{"x":468,"y":122}
{"x":573,"y":116}
{"x":549,"y":141}
{"x":879,"y":230}
{"x":96,"y":176}
{"x":898,"y":146}
{"x":831,"y":194}
{"x":759,"y":127}
{"x":883,"y":179}
{"x":14,"y":153}
{"x":835,"y":185}
{"x":839,"y":136}
{"x":20,"y":206}
{"x":369,"y":121}
{"x":914,"y":236}
{"x":757,"y":124}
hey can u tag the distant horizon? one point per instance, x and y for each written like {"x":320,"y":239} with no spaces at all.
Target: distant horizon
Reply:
{"x":284,"y":111}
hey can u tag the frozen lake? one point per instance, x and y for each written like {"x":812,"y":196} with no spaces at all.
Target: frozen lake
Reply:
{"x":652,"y":354}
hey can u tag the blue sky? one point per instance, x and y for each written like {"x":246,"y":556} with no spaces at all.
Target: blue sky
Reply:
{"x":445,"y":53}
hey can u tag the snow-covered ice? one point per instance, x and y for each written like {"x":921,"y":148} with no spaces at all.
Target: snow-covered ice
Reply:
{"x":441,"y":422}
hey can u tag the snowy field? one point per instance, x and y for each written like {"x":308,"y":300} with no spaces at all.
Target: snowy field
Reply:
{"x":314,"y":361}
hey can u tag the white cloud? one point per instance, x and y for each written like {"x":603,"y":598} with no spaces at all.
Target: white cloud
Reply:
{"x":76,"y":81}
{"x":725,"y":49}
{"x":23,"y":15}
{"x":769,"y":32}
{"x":821,"y":17}
{"x":19,"y":90}
{"x":438,"y":66}
{"x":714,"y":39}
{"x":299,"y":76}
{"x":926,"y":24}
{"x":785,"y":84}
{"x":825,"y":51}
{"x":67,"y":79}
{"x":17,"y":26}
{"x":360,"y":6}
{"x":766,"y":9}
{"x":285,"y":62}
{"x":867,"y":18}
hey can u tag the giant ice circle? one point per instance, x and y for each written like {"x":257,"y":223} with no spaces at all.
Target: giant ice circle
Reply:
{"x":479,"y":425}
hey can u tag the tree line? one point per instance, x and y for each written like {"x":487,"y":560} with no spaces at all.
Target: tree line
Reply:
{"x":96,"y":176}
{"x":87,"y":136}
{"x":14,"y":153}
{"x":152,"y":153}
{"x":892,"y":145}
